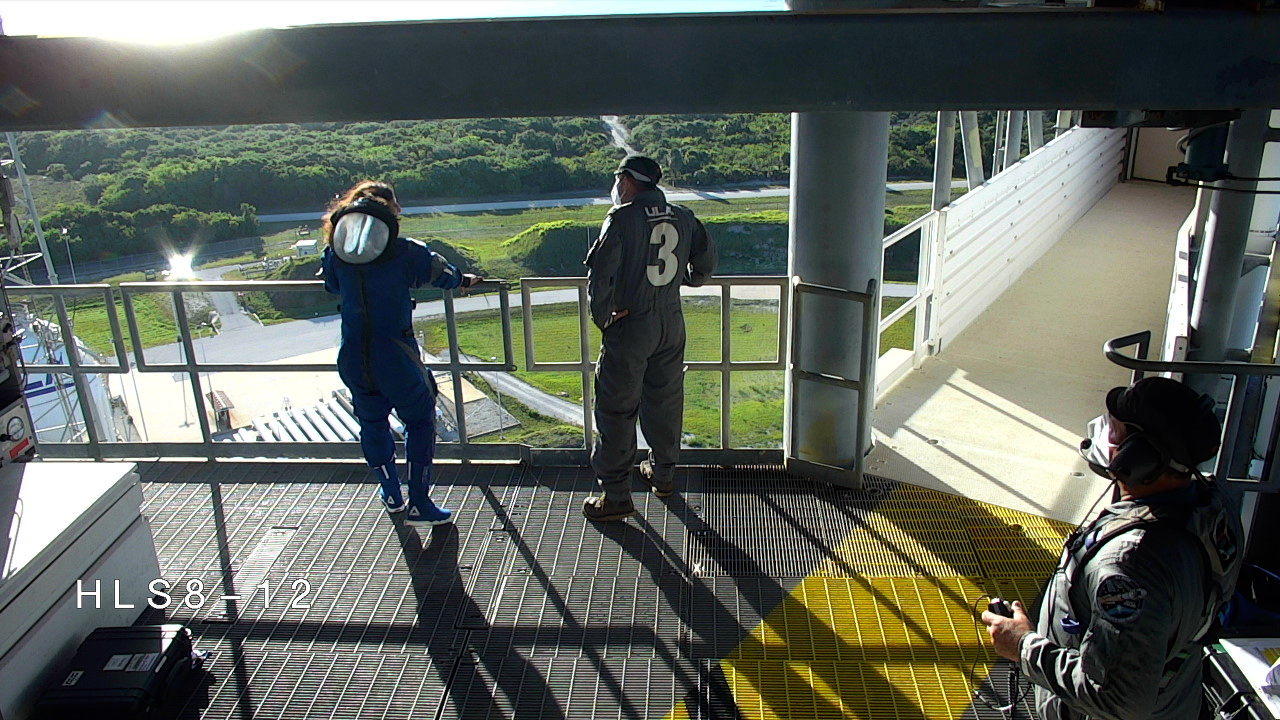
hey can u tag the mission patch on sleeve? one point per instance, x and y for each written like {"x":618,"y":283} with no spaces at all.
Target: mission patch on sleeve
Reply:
{"x":1120,"y":598}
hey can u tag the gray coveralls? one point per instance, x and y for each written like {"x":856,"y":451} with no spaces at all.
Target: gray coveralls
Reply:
{"x":646,"y":250}
{"x":1118,"y":636}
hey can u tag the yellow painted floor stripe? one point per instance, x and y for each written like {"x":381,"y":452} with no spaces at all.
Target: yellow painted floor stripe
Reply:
{"x":885,"y":628}
{"x":679,"y":712}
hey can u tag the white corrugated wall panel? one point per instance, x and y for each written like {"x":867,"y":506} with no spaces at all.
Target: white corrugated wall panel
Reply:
{"x":999,"y":230}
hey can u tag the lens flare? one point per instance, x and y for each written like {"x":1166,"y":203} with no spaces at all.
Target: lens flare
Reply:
{"x":180,"y":267}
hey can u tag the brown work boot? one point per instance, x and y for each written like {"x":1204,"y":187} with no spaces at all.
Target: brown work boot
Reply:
{"x":602,"y":509}
{"x":661,"y":488}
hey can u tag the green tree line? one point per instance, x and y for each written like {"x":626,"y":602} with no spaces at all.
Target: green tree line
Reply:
{"x":752,"y":243}
{"x":176,"y":187}
{"x":97,"y":234}
{"x":283,"y":167}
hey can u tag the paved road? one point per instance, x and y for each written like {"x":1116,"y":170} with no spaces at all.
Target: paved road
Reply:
{"x":674,"y":196}
{"x":539,"y":400}
{"x":531,"y":397}
{"x":230,"y":316}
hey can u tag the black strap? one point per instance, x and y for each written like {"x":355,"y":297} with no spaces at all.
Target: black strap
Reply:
{"x":1154,"y":521}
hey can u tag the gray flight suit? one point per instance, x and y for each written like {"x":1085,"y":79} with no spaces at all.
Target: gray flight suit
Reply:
{"x":646,"y":250}
{"x":1120,"y":626}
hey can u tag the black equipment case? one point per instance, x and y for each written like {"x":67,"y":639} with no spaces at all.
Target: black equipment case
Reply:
{"x":119,"y":673}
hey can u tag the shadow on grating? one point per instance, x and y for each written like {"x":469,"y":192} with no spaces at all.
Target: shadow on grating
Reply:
{"x":244,"y":679}
{"x":724,"y":611}
{"x":581,"y":688}
{"x":764,"y":522}
{"x":713,"y":699}
{"x":1001,"y":690}
{"x":344,"y":579}
{"x":585,"y":616}
{"x":547,"y":535}
{"x":525,"y":609}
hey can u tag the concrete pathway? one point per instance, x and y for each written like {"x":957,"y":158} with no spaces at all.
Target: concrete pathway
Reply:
{"x":998,"y":416}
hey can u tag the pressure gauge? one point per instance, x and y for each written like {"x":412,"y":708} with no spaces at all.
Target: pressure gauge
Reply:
{"x":16,"y":428}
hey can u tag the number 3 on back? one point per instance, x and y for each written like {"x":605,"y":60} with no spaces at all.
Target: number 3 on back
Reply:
{"x":667,"y":237}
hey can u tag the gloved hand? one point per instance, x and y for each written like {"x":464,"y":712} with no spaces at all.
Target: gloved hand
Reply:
{"x":469,"y":281}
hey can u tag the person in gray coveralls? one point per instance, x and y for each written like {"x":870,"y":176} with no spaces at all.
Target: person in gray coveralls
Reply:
{"x":646,"y":250}
{"x":1125,"y":614}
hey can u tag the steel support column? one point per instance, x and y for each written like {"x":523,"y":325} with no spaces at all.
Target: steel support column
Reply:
{"x":32,"y":212}
{"x":838,"y":168}
{"x":1012,"y":140}
{"x":1063,"y":123}
{"x":1226,"y":238}
{"x":971,"y":139}
{"x":944,"y":151}
{"x":998,"y":141}
{"x":1035,"y":130}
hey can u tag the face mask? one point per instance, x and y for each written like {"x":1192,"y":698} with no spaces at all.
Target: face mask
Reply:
{"x":616,"y":194}
{"x":1096,"y":449}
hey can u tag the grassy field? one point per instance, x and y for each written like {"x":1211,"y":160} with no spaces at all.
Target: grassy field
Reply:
{"x":480,"y":234}
{"x":88,"y":316}
{"x":756,"y":397}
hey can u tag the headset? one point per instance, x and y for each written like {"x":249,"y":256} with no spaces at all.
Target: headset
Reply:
{"x":1141,"y":458}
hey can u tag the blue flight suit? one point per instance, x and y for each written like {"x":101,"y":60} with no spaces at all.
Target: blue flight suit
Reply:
{"x":379,"y":360}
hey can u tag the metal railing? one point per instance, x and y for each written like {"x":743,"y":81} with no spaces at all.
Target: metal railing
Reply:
{"x":863,"y":384}
{"x":1234,"y":425}
{"x":135,"y":359}
{"x":927,"y":227}
{"x":192,"y":367}
{"x":725,"y":365}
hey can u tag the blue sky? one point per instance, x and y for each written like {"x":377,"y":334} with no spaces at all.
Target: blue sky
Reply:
{"x":172,"y":21}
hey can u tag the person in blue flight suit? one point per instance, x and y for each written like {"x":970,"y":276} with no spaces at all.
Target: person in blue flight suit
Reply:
{"x":1124,"y":617}
{"x":372,"y":269}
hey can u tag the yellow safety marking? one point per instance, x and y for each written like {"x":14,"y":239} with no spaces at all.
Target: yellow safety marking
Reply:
{"x":885,"y":627}
{"x":679,"y":712}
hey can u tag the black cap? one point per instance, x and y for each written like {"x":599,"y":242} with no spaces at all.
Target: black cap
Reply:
{"x":641,"y":168}
{"x":1181,"y":418}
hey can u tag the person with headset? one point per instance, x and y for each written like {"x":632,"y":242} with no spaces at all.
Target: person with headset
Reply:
{"x":1123,"y":617}
{"x":372,"y":269}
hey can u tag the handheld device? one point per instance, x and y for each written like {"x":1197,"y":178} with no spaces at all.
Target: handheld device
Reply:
{"x":1000,"y":607}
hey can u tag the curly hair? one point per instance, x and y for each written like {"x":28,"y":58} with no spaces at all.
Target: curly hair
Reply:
{"x":372,"y":189}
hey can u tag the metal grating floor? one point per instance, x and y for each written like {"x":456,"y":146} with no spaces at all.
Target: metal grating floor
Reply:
{"x":750,"y":594}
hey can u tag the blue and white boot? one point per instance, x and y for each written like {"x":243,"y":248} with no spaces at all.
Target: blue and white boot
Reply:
{"x":427,"y":513}
{"x":422,"y":510}
{"x":389,"y":488}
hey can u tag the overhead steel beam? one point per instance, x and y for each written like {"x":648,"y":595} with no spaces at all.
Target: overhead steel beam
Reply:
{"x":776,"y":62}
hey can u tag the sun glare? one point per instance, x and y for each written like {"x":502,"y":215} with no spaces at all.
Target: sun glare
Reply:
{"x":148,"y":23}
{"x":168,"y":23}
{"x":180,"y":267}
